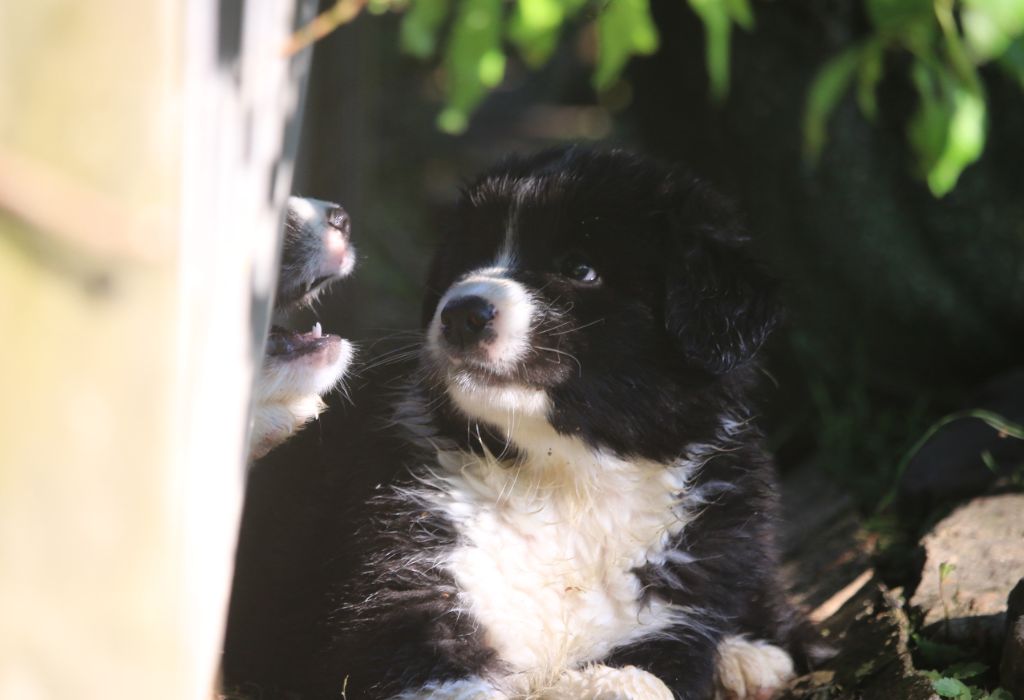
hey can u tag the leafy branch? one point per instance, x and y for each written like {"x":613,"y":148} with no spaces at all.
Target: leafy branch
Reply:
{"x":947,"y":42}
{"x":473,"y":37}
{"x":1004,"y":427}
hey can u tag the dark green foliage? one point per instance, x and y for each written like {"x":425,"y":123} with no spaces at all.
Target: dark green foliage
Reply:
{"x":947,"y":42}
{"x":474,"y":61}
{"x":997,"y":422}
{"x":624,"y":27}
{"x":474,"y":55}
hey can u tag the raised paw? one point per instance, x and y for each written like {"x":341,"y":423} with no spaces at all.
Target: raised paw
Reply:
{"x":298,"y":369}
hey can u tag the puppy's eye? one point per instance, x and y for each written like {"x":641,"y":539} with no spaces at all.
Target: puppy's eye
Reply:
{"x":580,"y":270}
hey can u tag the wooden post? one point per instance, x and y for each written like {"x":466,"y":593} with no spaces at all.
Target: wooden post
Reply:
{"x":146,"y":152}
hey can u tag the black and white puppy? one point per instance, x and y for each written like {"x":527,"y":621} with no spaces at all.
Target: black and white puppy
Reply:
{"x":587,"y":511}
{"x":298,"y":368}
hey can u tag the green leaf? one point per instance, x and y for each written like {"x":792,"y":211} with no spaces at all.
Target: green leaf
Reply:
{"x":989,"y":461}
{"x":937,"y":653}
{"x":379,"y":7}
{"x":945,"y":569}
{"x":1012,"y":61}
{"x":474,"y":61}
{"x":911,"y":24}
{"x":990,"y":26}
{"x":1000,"y":694}
{"x":895,"y":17}
{"x":993,"y":420}
{"x":965,"y":669}
{"x":824,"y":94}
{"x":536,"y":25}
{"x":624,"y":28}
{"x":948,"y":130}
{"x":872,"y":64}
{"x":956,"y":51}
{"x":741,"y":13}
{"x":929,"y":126}
{"x":965,"y":142}
{"x":717,"y":19}
{"x":420,"y":26}
{"x":951,"y":688}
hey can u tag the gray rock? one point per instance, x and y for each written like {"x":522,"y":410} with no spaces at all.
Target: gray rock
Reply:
{"x":974,"y":556}
{"x":1011,"y":670}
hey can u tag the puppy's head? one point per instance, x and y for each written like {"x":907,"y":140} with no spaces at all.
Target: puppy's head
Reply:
{"x":317,"y":250}
{"x":299,"y":367}
{"x":609,"y":294}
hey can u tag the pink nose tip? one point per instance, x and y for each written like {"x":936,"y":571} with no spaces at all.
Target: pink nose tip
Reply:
{"x":338,"y":255}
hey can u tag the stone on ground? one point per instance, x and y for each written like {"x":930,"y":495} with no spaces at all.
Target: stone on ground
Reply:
{"x":973,"y":559}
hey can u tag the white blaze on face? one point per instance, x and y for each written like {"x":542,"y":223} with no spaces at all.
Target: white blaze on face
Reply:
{"x":331,"y":253}
{"x":305,"y":208}
{"x":514,"y":310}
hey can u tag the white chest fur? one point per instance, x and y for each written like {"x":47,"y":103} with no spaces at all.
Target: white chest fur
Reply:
{"x":548,"y":547}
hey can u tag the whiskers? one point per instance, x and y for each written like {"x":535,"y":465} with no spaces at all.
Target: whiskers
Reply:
{"x":556,"y":323}
{"x":398,"y":355}
{"x":342,"y":390}
{"x":561,"y":353}
{"x":402,"y":353}
{"x":579,"y":328}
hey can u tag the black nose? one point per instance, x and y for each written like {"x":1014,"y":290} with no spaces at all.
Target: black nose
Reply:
{"x":338,"y":218}
{"x":464,"y":320}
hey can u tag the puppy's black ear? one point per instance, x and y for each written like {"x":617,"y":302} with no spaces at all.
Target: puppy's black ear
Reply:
{"x":720,"y":305}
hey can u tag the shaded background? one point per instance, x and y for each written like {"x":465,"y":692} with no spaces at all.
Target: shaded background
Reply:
{"x":900,"y":305}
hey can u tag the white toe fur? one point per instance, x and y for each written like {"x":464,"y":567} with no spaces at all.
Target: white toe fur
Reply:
{"x":600,"y":682}
{"x":466,"y":689}
{"x":750,"y":669}
{"x":595,"y":682}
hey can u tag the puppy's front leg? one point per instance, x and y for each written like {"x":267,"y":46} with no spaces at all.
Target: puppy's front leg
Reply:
{"x":685,"y":666}
{"x":600,"y":682}
{"x":474,"y":688}
{"x":750,"y":669}
{"x":298,"y":369}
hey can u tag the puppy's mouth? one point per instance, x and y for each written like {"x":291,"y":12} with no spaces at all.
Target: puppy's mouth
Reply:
{"x":286,"y":344}
{"x":319,"y":282}
{"x":309,"y":293}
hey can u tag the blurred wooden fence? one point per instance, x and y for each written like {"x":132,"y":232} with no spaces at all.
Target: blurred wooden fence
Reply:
{"x":146,"y":151}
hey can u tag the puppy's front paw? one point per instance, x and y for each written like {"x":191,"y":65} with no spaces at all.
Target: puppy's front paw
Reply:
{"x":465,"y":689}
{"x":599,"y":682}
{"x":298,"y":369}
{"x":750,"y":669}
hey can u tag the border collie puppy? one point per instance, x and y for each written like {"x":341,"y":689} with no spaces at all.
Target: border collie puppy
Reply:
{"x":298,"y":368}
{"x":587,"y":511}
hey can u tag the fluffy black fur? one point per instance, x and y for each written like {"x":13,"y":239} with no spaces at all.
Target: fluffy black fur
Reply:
{"x":664,"y":346}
